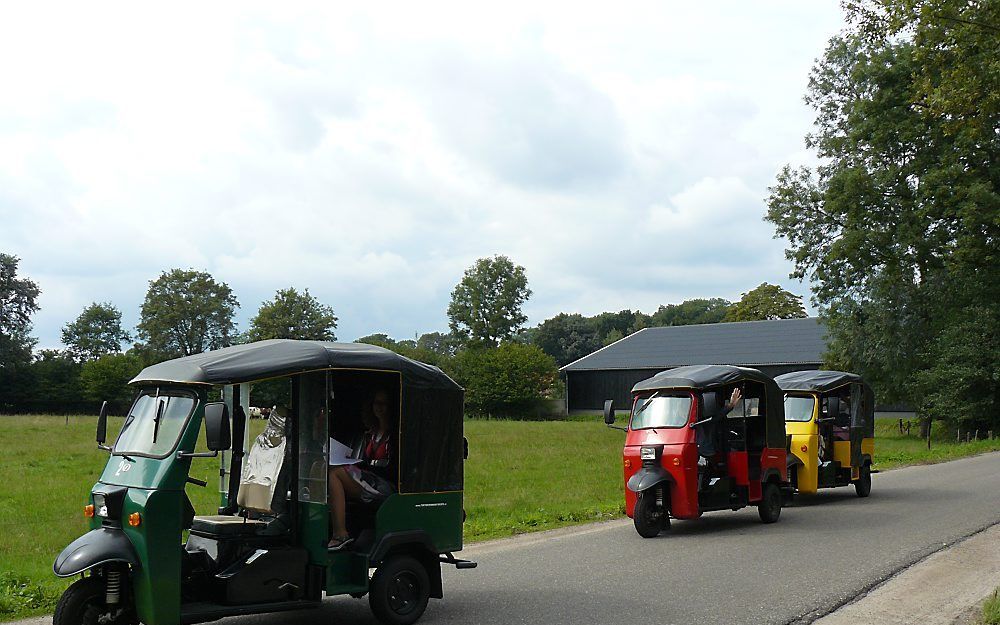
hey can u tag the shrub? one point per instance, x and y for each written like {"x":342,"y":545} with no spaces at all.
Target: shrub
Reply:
{"x":508,"y":380}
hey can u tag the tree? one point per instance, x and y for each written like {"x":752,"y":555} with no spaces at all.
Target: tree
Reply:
{"x":768,"y":301}
{"x":510,"y":380}
{"x":380,"y":339}
{"x":568,"y":337}
{"x":18,"y":301}
{"x":293,"y":315}
{"x":107,"y":377}
{"x":692,"y":311}
{"x":97,"y":331}
{"x":439,"y":343}
{"x":898,"y":229}
{"x":56,"y":376}
{"x":187,"y":312}
{"x":486,"y":304}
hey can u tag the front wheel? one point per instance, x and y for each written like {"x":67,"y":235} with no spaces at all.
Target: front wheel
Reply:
{"x":83,"y":604}
{"x":863,"y":485}
{"x":649,"y":517}
{"x":399,"y":591}
{"x":769,"y":507}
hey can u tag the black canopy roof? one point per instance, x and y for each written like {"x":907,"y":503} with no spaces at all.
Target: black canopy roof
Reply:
{"x":701,"y":376}
{"x":278,"y":357}
{"x":818,"y":381}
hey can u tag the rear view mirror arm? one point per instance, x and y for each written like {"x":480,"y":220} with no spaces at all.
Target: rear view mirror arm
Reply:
{"x":200,"y":454}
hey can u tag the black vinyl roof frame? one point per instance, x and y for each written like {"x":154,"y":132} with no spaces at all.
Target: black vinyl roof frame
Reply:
{"x":282,"y":357}
{"x":816,"y":381}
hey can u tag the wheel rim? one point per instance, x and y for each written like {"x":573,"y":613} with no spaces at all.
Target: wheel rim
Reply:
{"x":653,"y":513}
{"x":404,"y":592}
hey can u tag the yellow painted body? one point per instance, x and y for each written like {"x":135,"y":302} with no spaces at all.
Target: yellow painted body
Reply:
{"x":806,"y":434}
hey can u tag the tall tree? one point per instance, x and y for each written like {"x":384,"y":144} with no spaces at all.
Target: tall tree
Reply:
{"x":187,"y":312}
{"x":293,"y":315}
{"x":56,"y":376}
{"x":486,"y":304}
{"x":767,"y":301}
{"x":18,"y":302}
{"x":97,"y":331}
{"x":899,"y":229}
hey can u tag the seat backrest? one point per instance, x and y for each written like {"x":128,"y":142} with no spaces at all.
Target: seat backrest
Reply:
{"x":261,"y":482}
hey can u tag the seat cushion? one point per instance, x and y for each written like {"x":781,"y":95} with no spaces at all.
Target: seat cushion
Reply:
{"x":223,"y":525}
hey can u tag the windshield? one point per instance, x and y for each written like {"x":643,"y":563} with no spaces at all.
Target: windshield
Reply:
{"x":799,"y":408}
{"x":661,"y":412}
{"x":140,"y":425}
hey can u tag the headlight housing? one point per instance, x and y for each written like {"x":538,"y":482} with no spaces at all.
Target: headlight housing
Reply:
{"x":647,"y":453}
{"x":100,"y":505}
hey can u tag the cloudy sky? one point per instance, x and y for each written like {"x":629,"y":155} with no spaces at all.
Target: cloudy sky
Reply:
{"x":371,"y":153}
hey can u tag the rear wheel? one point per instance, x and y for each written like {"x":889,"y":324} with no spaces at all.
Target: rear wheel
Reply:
{"x":649,"y":517}
{"x":399,"y":591}
{"x":863,"y":485}
{"x":83,"y":604}
{"x":769,"y":507}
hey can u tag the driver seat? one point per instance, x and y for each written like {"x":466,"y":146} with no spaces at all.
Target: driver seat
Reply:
{"x":265,"y":472}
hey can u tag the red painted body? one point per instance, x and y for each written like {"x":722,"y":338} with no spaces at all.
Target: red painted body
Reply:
{"x":680,"y":459}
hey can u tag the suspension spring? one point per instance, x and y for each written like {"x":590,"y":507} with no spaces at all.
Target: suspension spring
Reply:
{"x":659,"y":497}
{"x":113,"y":587}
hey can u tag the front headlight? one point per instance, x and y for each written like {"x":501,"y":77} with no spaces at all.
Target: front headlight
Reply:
{"x":647,"y":453}
{"x":100,"y":505}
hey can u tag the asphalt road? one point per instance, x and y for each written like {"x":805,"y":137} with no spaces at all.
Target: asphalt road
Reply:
{"x":724,"y":568}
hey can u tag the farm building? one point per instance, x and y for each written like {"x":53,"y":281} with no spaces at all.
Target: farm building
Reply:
{"x":774,"y":347}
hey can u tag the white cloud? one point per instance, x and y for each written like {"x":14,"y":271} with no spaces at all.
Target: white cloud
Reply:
{"x":372,"y":152}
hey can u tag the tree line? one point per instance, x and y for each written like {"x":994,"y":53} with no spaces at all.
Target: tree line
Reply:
{"x":506,"y":368}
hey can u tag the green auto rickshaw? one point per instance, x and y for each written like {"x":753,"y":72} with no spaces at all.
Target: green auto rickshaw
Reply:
{"x":267,"y":548}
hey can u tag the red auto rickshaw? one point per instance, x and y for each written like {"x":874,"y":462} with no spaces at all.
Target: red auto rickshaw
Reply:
{"x":688,"y":451}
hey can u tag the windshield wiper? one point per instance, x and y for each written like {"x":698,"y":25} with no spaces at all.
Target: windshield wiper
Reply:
{"x":156,"y":419}
{"x":646,"y":402}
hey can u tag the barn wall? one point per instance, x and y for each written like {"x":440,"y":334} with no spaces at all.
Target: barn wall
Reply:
{"x":587,"y":390}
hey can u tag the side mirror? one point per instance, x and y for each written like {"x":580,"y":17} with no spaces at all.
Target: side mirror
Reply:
{"x":609,"y":411}
{"x":832,"y":407}
{"x":711,"y":404}
{"x":102,"y":425}
{"x":217,"y":433}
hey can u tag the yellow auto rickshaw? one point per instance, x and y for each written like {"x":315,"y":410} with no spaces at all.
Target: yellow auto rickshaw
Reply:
{"x":830,"y":430}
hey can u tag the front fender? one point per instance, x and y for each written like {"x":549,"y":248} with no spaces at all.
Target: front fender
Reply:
{"x":94,"y":548}
{"x":647,"y":477}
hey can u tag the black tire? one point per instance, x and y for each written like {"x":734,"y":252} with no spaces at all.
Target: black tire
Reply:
{"x":863,"y":485}
{"x":769,"y":507}
{"x":83,"y":604}
{"x":399,"y":591}
{"x":649,"y":520}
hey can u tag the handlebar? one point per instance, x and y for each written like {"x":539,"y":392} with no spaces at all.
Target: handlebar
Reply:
{"x":197,"y":482}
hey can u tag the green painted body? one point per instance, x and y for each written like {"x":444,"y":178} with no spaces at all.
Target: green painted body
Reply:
{"x":156,"y":492}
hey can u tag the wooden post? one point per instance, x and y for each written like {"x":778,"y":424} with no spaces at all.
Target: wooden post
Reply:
{"x":977,"y":434}
{"x":958,"y":436}
{"x":900,"y":427}
{"x":929,"y":423}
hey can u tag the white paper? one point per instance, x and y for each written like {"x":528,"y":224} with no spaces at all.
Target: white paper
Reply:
{"x":340,"y":454}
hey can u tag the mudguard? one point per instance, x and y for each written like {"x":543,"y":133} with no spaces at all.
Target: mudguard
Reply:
{"x":94,"y":548}
{"x":791,"y":460}
{"x":647,"y":477}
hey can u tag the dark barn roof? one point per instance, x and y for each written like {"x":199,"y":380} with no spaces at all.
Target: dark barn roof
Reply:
{"x":753,"y":343}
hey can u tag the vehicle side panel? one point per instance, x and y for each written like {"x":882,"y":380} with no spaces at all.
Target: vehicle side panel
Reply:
{"x":739,"y":468}
{"x":842,"y":453}
{"x":437,"y":514}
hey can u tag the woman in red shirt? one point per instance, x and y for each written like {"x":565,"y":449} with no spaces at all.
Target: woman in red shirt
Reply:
{"x":357,"y":482}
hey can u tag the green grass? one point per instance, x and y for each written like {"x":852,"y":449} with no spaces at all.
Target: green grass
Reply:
{"x":991,"y":609}
{"x":520,"y":477}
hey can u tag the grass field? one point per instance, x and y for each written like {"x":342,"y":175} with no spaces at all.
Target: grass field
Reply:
{"x":520,"y":477}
